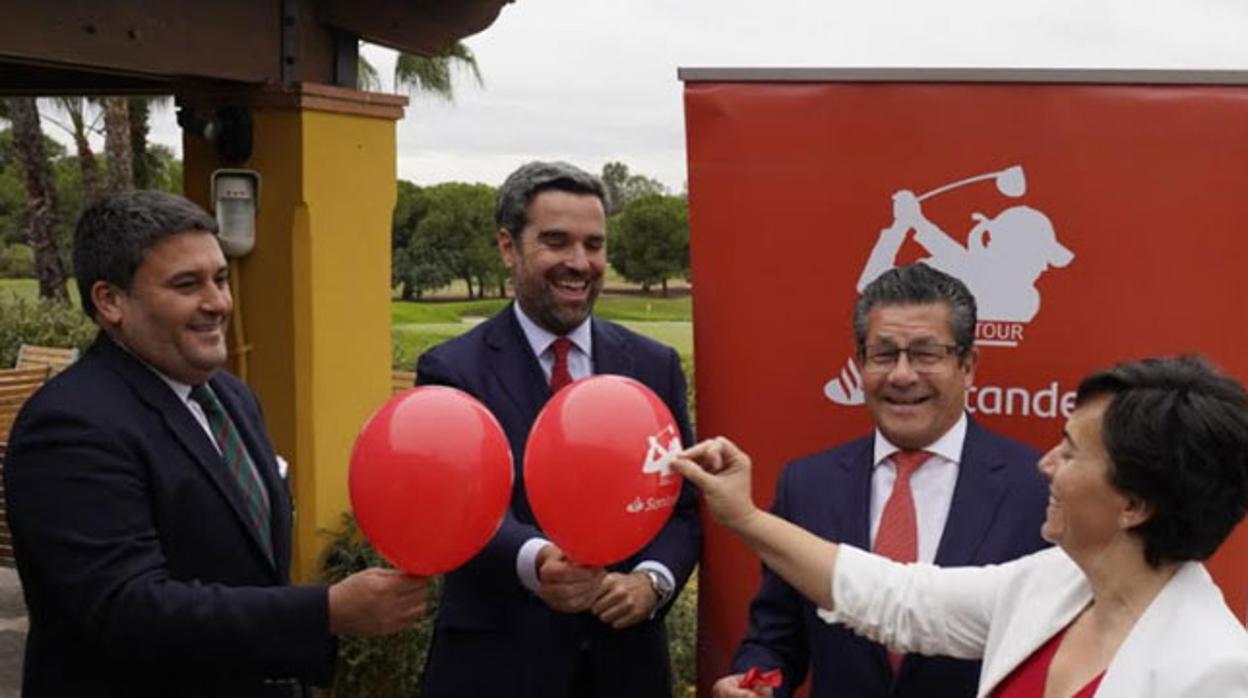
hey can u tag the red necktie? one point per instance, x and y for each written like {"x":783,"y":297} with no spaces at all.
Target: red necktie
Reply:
{"x":559,"y":375}
{"x":898,"y":535}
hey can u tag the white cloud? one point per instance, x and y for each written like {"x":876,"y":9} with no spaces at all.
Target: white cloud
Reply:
{"x":591,"y":81}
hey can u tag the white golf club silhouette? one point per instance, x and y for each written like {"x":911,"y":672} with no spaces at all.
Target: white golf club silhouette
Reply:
{"x":846,"y":387}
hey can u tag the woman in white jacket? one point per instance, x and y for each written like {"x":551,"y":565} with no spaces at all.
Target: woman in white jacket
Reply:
{"x":1150,"y":477}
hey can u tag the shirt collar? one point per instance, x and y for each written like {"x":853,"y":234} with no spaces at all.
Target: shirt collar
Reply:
{"x":540,"y":338}
{"x":182,"y":390}
{"x":948,"y":446}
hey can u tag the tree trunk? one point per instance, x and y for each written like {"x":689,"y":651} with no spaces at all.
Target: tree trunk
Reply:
{"x":90,"y":169}
{"x":88,"y":166}
{"x":468,"y":281}
{"x":117,"y":144}
{"x":665,"y":288}
{"x":409,"y":292}
{"x":40,"y":196}
{"x":139,"y":111}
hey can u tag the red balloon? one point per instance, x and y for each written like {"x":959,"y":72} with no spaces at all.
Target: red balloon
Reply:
{"x":597,"y":468}
{"x":430,"y":480}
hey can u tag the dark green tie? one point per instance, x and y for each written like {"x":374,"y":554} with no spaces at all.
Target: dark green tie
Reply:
{"x":238,"y":462}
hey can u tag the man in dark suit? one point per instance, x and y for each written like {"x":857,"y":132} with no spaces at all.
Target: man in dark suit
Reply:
{"x":149,"y":518}
{"x":930,"y":485}
{"x":521,"y":619}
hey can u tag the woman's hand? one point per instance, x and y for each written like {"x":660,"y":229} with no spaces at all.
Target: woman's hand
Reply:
{"x":721,"y":471}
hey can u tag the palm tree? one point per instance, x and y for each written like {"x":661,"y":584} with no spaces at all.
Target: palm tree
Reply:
{"x":32,"y":154}
{"x":423,"y":74}
{"x":432,"y":75}
{"x":143,"y":163}
{"x":117,"y":144}
{"x":76,"y":109}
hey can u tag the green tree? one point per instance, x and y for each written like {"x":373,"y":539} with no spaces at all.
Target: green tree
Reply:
{"x":648,"y":241}
{"x":459,"y":227}
{"x":623,"y":188}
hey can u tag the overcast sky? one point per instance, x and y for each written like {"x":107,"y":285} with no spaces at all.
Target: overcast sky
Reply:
{"x":591,"y":81}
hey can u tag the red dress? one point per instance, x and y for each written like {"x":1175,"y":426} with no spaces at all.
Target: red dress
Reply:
{"x":1029,"y":678}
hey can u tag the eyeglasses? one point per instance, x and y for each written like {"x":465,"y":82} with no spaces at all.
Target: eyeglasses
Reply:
{"x":924,"y":357}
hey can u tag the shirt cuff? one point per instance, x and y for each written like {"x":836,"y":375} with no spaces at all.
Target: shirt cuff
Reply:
{"x":526,"y":563}
{"x":666,"y":573}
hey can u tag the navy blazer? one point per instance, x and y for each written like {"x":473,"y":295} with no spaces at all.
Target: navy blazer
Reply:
{"x":493,"y":637}
{"x":141,"y":575}
{"x":997,"y":509}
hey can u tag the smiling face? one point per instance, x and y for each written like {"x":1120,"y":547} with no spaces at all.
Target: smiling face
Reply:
{"x":1086,"y":513}
{"x":915,"y":408}
{"x":174,"y":314}
{"x":558,"y":260}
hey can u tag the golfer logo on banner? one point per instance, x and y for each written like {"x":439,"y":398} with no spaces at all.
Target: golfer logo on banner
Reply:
{"x":1001,"y":259}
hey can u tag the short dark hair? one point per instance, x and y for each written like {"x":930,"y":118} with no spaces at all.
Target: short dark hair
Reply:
{"x":113,"y":234}
{"x":1176,"y":431}
{"x":916,"y":284}
{"x":533,"y":178}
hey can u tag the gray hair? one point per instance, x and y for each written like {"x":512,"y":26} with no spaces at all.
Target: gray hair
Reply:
{"x":533,"y":178}
{"x":114,"y":232}
{"x":916,"y":284}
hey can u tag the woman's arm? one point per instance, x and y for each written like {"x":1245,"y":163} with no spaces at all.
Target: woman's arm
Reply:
{"x":722,"y":472}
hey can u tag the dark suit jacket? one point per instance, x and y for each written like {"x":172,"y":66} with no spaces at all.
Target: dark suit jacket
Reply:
{"x":140,"y":574}
{"x":998,"y":506}
{"x":493,"y":637}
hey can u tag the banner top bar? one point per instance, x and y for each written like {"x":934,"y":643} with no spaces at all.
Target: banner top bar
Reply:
{"x":1033,"y":75}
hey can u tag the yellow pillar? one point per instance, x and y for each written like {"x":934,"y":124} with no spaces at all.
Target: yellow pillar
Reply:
{"x":314,"y":294}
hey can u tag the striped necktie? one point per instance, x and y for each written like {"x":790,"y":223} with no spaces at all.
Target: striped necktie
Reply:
{"x":238,"y":462}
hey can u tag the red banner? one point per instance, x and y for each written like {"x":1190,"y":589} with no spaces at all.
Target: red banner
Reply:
{"x":1095,"y":223}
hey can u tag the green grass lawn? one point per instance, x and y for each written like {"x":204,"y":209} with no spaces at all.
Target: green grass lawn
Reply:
{"x":610,"y":306}
{"x":28,"y":290}
{"x":418,"y":326}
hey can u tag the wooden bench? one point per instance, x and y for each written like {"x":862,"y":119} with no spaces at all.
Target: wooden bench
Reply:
{"x":16,"y":386}
{"x":402,"y":380}
{"x":6,"y":539}
{"x":55,"y":358}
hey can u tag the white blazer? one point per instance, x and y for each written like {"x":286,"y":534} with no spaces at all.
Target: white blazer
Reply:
{"x":1187,"y":643}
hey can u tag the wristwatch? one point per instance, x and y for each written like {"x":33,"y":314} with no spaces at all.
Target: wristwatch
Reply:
{"x":660,"y":585}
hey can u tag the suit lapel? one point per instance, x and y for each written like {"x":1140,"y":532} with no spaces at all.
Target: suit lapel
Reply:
{"x":850,"y":499}
{"x":976,"y":497}
{"x":159,"y":397}
{"x":516,"y":371}
{"x":610,"y":355}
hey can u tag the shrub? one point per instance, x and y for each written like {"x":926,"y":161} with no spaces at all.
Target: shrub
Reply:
{"x":47,"y":323}
{"x":381,"y":667}
{"x":682,"y":639}
{"x":374,"y":667}
{"x":17,"y":261}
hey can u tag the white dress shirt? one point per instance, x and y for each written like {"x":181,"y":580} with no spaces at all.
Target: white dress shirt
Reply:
{"x":931,"y":484}
{"x":580,"y":365}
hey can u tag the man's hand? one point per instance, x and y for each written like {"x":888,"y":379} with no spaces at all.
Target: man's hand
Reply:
{"x":376,"y":602}
{"x":564,"y":585}
{"x":624,"y":599}
{"x":729,"y":687}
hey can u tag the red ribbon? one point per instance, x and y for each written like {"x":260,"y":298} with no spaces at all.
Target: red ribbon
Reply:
{"x":755,"y":679}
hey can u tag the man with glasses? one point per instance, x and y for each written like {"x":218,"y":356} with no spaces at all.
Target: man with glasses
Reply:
{"x":930,"y":485}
